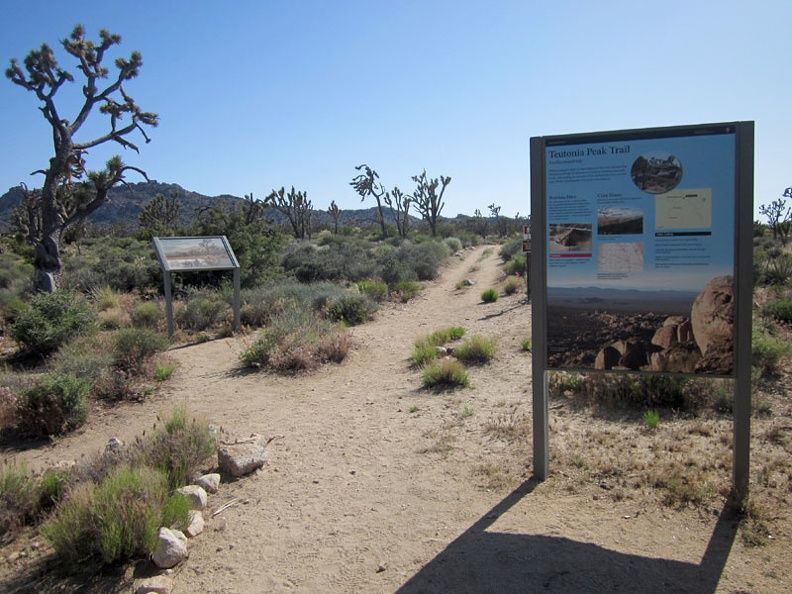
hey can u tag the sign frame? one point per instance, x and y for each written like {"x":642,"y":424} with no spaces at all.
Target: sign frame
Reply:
{"x":196,"y":254}
{"x":742,"y":184}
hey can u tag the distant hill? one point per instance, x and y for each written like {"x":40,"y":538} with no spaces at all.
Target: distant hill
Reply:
{"x":126,"y":202}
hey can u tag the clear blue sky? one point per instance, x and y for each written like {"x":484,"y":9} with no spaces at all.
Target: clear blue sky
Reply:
{"x":254,"y":95}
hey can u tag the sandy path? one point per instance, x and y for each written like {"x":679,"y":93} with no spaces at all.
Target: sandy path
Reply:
{"x":372,"y":484}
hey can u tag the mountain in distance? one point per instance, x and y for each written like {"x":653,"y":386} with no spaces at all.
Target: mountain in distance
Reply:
{"x":126,"y":201}
{"x":620,"y":300}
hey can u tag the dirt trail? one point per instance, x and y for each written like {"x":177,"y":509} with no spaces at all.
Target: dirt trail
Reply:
{"x":375,"y":485}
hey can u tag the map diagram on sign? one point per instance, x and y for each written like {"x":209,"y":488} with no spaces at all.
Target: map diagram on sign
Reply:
{"x":684,"y":209}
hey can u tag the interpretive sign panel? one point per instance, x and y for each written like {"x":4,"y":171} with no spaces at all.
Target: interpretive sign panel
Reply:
{"x":640,"y":250}
{"x":195,"y":253}
{"x":642,"y":261}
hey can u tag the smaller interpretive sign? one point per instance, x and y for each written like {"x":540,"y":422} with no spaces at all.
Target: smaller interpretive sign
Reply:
{"x":195,"y":253}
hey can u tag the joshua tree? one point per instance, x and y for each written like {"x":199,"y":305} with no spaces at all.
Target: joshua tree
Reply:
{"x":366,"y":184}
{"x":779,"y":216}
{"x":297,"y":208}
{"x":426,"y":199}
{"x":334,"y":212}
{"x":401,"y":213}
{"x":62,"y":199}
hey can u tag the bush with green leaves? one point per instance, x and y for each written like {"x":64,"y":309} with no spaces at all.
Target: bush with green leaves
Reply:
{"x":445,"y":375}
{"x":423,"y":352}
{"x":123,"y":264}
{"x":201,"y":312}
{"x":18,"y":499}
{"x":55,"y":405}
{"x":112,"y":522}
{"x":454,"y":244}
{"x":53,"y":319}
{"x":780,"y":309}
{"x":516,"y":265}
{"x":476,"y":350}
{"x":15,"y":284}
{"x":85,"y":356}
{"x":134,"y":347}
{"x":148,"y":314}
{"x":489,"y":296}
{"x":511,"y":248}
{"x":350,"y":308}
{"x":376,"y":290}
{"x":768,"y":351}
{"x":179,"y":449}
{"x":406,"y":290}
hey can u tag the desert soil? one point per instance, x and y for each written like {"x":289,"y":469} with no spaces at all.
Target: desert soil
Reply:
{"x":376,"y":485}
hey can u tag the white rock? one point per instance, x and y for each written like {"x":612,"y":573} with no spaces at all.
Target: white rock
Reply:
{"x":209,"y":482}
{"x":195,"y":525}
{"x":158,"y":584}
{"x":171,"y":548}
{"x":196,"y":495}
{"x":241,"y":459}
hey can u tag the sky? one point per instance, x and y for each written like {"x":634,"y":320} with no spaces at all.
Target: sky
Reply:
{"x":255,"y":95}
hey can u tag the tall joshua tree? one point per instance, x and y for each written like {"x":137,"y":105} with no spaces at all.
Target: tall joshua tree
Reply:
{"x":58,"y":202}
{"x":426,"y":199}
{"x":366,"y":184}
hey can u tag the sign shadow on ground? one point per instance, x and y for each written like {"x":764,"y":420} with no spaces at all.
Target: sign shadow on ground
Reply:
{"x":482,"y":562}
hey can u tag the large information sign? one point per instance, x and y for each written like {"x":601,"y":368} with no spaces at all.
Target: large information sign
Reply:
{"x":640,"y":252}
{"x":642,"y":258}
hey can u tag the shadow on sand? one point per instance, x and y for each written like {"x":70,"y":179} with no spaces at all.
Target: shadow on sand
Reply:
{"x":488,"y":562}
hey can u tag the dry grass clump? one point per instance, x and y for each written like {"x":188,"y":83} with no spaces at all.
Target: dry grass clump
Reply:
{"x":297,"y":340}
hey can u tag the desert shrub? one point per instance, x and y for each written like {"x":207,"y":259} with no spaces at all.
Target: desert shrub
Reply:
{"x":512,"y":247}
{"x":54,"y":406}
{"x":337,"y":259}
{"x":52,"y":486}
{"x":651,"y":418}
{"x":775,"y":268}
{"x":443,"y":335}
{"x":135,"y":346}
{"x":454,"y":245}
{"x":526,"y":344}
{"x":489,"y":296}
{"x":18,"y":499}
{"x":516,"y":265}
{"x":395,"y":272}
{"x":15,"y":283}
{"x":476,"y":350}
{"x":112,"y":522}
{"x":767,"y":351}
{"x":52,"y":320}
{"x":179,"y":449}
{"x":83,"y":357}
{"x":105,"y":298}
{"x":423,"y":352}
{"x":781,"y":309}
{"x":376,"y":290}
{"x":406,"y":290}
{"x":148,"y":314}
{"x":163,"y":370}
{"x":350,"y":308}
{"x":512,"y":285}
{"x":638,"y":392}
{"x":447,"y":374}
{"x":295,"y":340}
{"x":201,"y":312}
{"x":122,"y":264}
